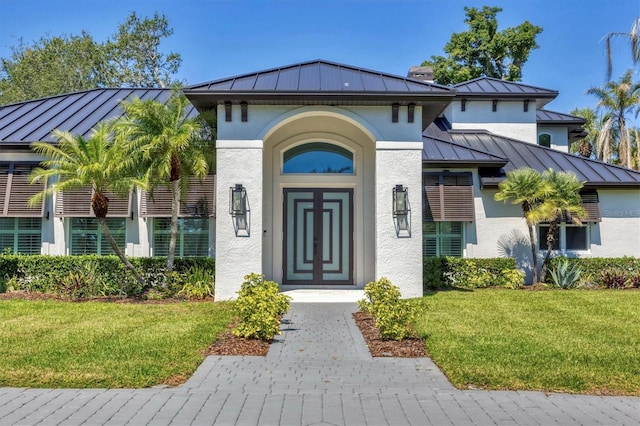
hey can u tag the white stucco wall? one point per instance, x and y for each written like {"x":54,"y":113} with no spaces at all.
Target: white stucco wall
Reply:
{"x":508,"y":120}
{"x":619,"y":232}
{"x":399,"y":258}
{"x":559,"y":137}
{"x":238,"y":162}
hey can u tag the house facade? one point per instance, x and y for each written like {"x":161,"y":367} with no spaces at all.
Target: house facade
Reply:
{"x":330,"y":176}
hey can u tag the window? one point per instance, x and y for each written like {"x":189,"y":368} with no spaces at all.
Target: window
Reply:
{"x":87,"y":237}
{"x":570,"y":237}
{"x":544,"y":139}
{"x":21,"y":234}
{"x":442,"y":239}
{"x":193,"y":237}
{"x":318,"y":157}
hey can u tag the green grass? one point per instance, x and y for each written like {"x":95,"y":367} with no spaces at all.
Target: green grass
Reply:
{"x":568,"y":341}
{"x":106,"y":345}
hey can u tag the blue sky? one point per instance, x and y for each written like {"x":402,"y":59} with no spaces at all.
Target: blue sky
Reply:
{"x":222,"y":38}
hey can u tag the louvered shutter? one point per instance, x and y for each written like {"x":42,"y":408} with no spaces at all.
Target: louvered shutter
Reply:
{"x":591,"y":204}
{"x":77,"y":203}
{"x":448,"y":197}
{"x":199,"y":200}
{"x":15,"y":191}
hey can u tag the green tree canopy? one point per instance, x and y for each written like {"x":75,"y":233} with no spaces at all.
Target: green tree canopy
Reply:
{"x":50,"y":66}
{"x":485,"y":51}
{"x":61,"y":64}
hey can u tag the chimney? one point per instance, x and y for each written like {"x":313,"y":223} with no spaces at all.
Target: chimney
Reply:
{"x":421,"y":73}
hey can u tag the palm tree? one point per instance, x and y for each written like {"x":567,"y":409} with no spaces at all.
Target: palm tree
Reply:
{"x":634,"y":41}
{"x":618,"y":100}
{"x":168,"y":145}
{"x":562,"y":200}
{"x":77,"y":162}
{"x":525,"y":187}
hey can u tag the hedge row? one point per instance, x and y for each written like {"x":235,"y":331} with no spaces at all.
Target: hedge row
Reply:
{"x":444,"y":272}
{"x":604,"y":272}
{"x":100,"y":275}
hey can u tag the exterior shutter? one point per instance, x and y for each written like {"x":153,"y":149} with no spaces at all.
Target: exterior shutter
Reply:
{"x":198,"y":202}
{"x":15,"y":191}
{"x":591,"y":204}
{"x":77,"y":203}
{"x":448,"y":197}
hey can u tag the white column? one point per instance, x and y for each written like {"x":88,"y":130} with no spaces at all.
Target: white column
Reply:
{"x":399,"y":257}
{"x":238,"y":162}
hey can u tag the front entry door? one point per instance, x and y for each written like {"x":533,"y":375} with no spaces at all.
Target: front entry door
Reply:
{"x":318,"y":236}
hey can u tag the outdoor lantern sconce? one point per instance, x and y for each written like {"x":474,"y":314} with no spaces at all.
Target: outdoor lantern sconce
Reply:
{"x":401,"y":211}
{"x":238,"y":209}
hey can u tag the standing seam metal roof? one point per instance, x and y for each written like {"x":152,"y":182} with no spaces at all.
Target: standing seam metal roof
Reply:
{"x":524,"y":154}
{"x":317,"y":77}
{"x":78,"y":113}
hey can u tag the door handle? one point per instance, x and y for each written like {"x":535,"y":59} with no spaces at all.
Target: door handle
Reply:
{"x":315,"y":245}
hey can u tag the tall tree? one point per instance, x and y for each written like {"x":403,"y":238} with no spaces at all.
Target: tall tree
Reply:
{"x":50,"y":66}
{"x":169,"y":147}
{"x":618,"y":100}
{"x":134,"y":53}
{"x":561,"y":201}
{"x":485,"y":51}
{"x":525,"y":187}
{"x":76,"y":162}
{"x":63,"y":64}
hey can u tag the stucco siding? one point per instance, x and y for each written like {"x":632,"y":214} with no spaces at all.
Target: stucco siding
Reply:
{"x":237,"y":255}
{"x":399,"y":257}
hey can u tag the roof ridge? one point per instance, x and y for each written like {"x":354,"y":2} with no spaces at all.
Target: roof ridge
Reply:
{"x":493,"y":79}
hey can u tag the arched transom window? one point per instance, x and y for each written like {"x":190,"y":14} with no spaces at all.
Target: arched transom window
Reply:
{"x":318,"y":157}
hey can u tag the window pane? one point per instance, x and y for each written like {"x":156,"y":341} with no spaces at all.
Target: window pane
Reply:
{"x":193,"y":237}
{"x":543,"y":230}
{"x":318,"y":157}
{"x":87,"y":237}
{"x":576,"y":238}
{"x":21,"y":235}
{"x":442,"y":239}
{"x":544,"y":140}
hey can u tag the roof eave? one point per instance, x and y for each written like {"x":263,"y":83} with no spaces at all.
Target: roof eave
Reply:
{"x":463,"y":163}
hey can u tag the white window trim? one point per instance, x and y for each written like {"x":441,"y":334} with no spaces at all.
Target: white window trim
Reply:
{"x":562,"y":236}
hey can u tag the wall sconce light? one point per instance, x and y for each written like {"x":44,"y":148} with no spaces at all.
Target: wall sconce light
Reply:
{"x":237,"y":200}
{"x":239,"y":210}
{"x":401,"y":211}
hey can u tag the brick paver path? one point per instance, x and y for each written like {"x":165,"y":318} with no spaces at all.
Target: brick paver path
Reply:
{"x":318,"y":372}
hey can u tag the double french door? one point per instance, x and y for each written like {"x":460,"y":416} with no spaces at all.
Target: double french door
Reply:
{"x":318,"y":236}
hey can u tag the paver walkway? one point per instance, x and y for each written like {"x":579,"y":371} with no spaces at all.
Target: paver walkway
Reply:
{"x":318,"y":372}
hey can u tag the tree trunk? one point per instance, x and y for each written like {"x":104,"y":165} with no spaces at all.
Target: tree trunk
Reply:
{"x":175,"y":209}
{"x":114,"y":246}
{"x":551,"y":239}
{"x":534,"y":256}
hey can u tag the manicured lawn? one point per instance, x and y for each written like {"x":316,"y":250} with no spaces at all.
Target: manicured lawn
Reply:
{"x":106,"y":345}
{"x":570,"y":341}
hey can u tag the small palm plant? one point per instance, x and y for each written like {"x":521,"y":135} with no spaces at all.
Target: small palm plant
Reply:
{"x":76,"y":162}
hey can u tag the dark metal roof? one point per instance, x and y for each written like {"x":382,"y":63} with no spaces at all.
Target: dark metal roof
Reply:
{"x":26,"y":122}
{"x":493,"y":88}
{"x":319,"y":76}
{"x":523,"y":154}
{"x":544,"y":116}
{"x":571,"y":122}
{"x":440,"y":151}
{"x":322,"y":82}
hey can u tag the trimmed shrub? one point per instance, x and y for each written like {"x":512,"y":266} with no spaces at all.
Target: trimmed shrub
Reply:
{"x":475,"y":273}
{"x":393,"y":316}
{"x":260,"y":306}
{"x":95,"y":275}
{"x":432,"y":273}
